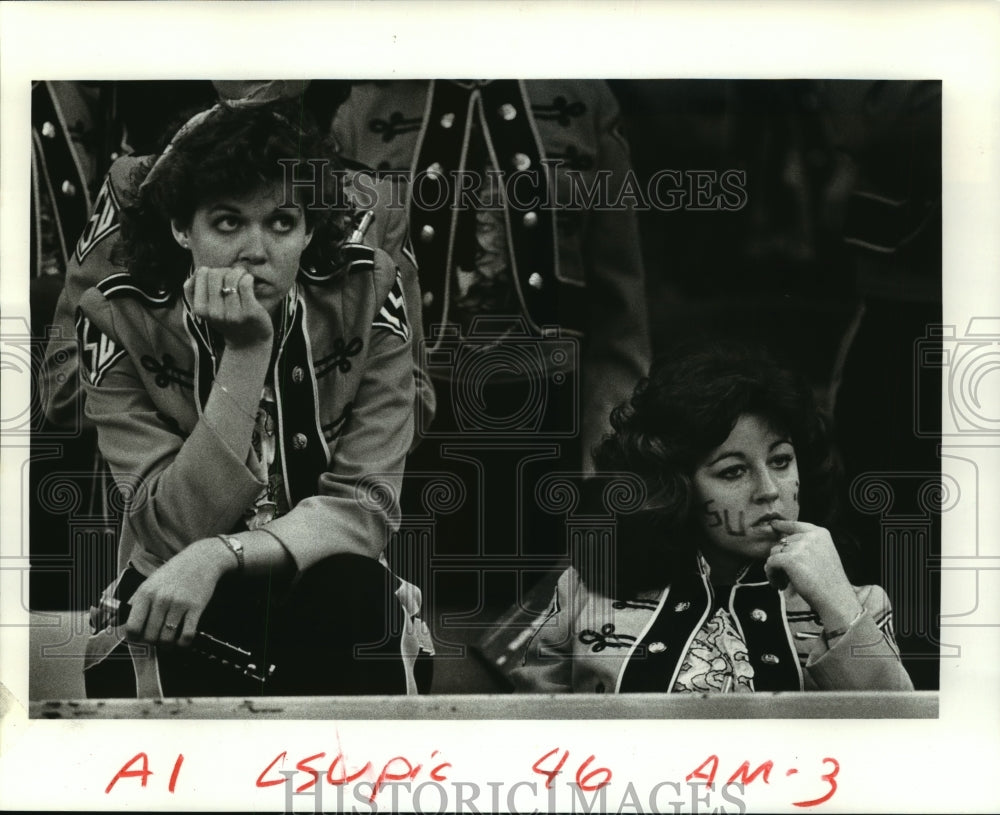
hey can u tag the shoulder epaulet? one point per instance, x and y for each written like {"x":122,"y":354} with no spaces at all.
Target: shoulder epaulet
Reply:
{"x":126,"y":174}
{"x":121,"y":285}
{"x":355,"y":258}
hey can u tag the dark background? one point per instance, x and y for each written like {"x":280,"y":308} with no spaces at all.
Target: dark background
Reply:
{"x":834,"y":263}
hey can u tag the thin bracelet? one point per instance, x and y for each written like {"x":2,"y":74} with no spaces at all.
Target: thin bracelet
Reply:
{"x":280,"y":541}
{"x":269,"y":532}
{"x":236,"y":547}
{"x":839,"y":632}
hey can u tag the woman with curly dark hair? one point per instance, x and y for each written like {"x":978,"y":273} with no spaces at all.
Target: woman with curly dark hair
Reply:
{"x":726,"y":577}
{"x":251,"y":380}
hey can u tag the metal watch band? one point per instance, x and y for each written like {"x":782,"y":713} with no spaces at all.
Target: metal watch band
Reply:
{"x":236,"y":547}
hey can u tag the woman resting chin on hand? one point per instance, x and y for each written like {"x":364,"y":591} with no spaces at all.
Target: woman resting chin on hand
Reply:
{"x":246,"y":376}
{"x":721,"y":582}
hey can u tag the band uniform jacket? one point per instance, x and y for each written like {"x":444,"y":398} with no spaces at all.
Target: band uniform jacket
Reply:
{"x":588,"y":643}
{"x":65,"y":130}
{"x":577,"y":266}
{"x":344,"y":392}
{"x":94,"y":259}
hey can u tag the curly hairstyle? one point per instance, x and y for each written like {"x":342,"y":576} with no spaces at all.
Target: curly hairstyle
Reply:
{"x":685,"y":408}
{"x":231,"y":151}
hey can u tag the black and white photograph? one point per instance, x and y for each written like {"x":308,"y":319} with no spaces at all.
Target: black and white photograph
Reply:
{"x":440,"y":442}
{"x":521,"y":397}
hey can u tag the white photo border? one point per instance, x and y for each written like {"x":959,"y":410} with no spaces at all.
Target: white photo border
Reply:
{"x":943,"y":764}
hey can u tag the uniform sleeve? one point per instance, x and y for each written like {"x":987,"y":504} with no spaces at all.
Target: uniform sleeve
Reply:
{"x":357,"y":504}
{"x":547,"y":666}
{"x":184,"y":486}
{"x":63,"y":389}
{"x":91,"y":261}
{"x":345,"y":122}
{"x":866,"y":657}
{"x":617,"y":353}
{"x":395,"y":240}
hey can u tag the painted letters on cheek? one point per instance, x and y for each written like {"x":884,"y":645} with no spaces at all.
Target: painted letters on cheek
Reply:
{"x":714,"y":518}
{"x":738,"y":531}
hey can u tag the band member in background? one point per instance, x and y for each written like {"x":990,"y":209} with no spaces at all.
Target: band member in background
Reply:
{"x":518,"y":211}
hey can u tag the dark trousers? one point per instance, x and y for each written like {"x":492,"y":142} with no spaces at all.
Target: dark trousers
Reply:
{"x":476,"y":535}
{"x":336,"y":631}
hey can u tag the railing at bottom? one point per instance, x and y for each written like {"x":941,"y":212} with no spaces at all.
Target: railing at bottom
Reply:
{"x":810,"y":705}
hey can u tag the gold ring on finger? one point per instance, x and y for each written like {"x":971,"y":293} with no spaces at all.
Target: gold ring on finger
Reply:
{"x":225,"y":291}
